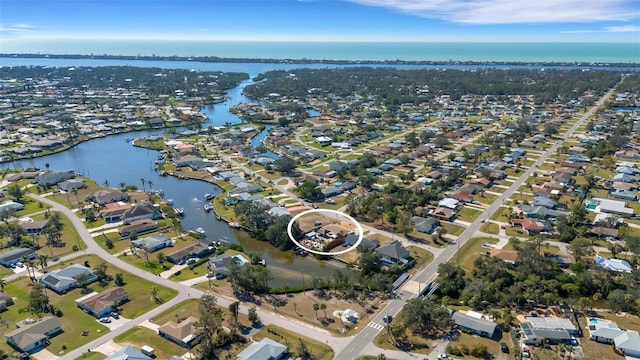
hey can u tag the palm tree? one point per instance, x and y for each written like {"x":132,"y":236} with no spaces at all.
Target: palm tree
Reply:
{"x":150,"y":183}
{"x":106,"y":183}
{"x":323,"y":307}
{"x":122,"y":186}
{"x":316,"y":307}
{"x":143,"y":181}
{"x":154,"y":294}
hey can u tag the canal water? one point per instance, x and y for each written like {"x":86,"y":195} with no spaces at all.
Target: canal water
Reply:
{"x":115,"y":160}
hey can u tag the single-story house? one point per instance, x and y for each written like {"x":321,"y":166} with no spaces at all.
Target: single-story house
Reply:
{"x":103,"y":303}
{"x":153,"y":243}
{"x":265,"y":349}
{"x":609,"y":206}
{"x":64,"y":280}
{"x":32,"y":337}
{"x":196,"y":250}
{"x":128,"y":353}
{"x":351,"y":239}
{"x":141,"y":211}
{"x":183,"y":333}
{"x":53,"y":177}
{"x":393,"y":253}
{"x":218,"y":266}
{"x":616,"y":265}
{"x":102,"y":197}
{"x":33,"y":227}
{"x":443,"y":213}
{"x":10,"y":205}
{"x":16,"y":255}
{"x":475,"y":324}
{"x":72,"y":185}
{"x":114,"y":212}
{"x":548,"y":329}
{"x":139,"y":227}
{"x":425,"y":225}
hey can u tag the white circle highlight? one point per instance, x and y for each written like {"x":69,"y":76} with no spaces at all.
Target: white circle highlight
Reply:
{"x":306,"y":212}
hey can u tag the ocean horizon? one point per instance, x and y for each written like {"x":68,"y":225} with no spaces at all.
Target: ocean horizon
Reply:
{"x":602,"y":53}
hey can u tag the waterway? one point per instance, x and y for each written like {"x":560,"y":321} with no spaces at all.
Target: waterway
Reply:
{"x":115,"y":160}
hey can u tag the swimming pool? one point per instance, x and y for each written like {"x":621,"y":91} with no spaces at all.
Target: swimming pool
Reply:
{"x":592,"y":206}
{"x":337,"y":183}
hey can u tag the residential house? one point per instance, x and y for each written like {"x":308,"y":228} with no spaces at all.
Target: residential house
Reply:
{"x":265,"y":349}
{"x":218,"y":266}
{"x":32,"y":337}
{"x":33,"y":227}
{"x":624,"y":195}
{"x":9,"y":206}
{"x":615,"y":265}
{"x":474,"y":323}
{"x":609,"y":206}
{"x":448,"y":203}
{"x":443,"y":213}
{"x":329,"y":191}
{"x":14,"y":256}
{"x":53,"y":178}
{"x":138,"y":227}
{"x":102,"y":197}
{"x":72,"y":185}
{"x":114,"y":212}
{"x":67,"y":279}
{"x":531,"y":226}
{"x":5,"y":300}
{"x":153,"y":243}
{"x":128,"y":353}
{"x":196,"y":250}
{"x":537,"y":330}
{"x":461,"y":196}
{"x":351,"y":239}
{"x":140,"y":212}
{"x":183,"y":333}
{"x":425,"y":225}
{"x":103,"y":303}
{"x":393,"y":253}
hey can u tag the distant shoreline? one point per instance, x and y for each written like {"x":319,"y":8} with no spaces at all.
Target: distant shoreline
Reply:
{"x":215,"y":59}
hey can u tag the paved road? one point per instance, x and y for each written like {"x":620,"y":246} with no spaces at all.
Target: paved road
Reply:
{"x":364,"y":339}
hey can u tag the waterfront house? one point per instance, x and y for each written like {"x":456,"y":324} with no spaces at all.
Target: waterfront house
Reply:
{"x":196,"y":250}
{"x":32,"y":337}
{"x":103,"y":197}
{"x":474,"y":323}
{"x":153,"y":243}
{"x":72,"y":185}
{"x":53,"y":178}
{"x":67,"y":279}
{"x":140,"y":212}
{"x":113,"y":212}
{"x":138,"y":227}
{"x":218,"y":266}
{"x":103,"y":303}
{"x":14,"y":256}
{"x":265,"y":349}
{"x":393,"y":253}
{"x":183,"y":333}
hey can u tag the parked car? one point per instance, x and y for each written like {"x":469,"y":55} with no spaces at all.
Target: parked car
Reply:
{"x":105,"y":319}
{"x":115,"y":315}
{"x":443,"y":357}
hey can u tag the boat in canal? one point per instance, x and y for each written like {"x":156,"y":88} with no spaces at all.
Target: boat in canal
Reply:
{"x":200,"y":231}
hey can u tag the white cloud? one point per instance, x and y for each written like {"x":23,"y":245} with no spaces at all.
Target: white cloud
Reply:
{"x":608,"y":29}
{"x":513,"y":11}
{"x":17,"y":28}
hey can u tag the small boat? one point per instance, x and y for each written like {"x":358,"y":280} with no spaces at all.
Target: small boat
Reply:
{"x":234,"y":224}
{"x":169,"y":201}
{"x":200,"y":231}
{"x":209,"y":196}
{"x":207,"y":207}
{"x":179,"y":211}
{"x":163,"y":173}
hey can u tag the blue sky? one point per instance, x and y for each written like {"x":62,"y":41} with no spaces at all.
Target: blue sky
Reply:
{"x":322,"y":20}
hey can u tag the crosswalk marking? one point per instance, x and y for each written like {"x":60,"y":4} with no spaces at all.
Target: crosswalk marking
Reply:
{"x":376,"y":326}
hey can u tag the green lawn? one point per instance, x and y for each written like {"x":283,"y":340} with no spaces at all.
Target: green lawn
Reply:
{"x":493,"y":346}
{"x":468,"y":214}
{"x":490,"y":228}
{"x":452,"y":229}
{"x":471,"y":250}
{"x":422,"y":257}
{"x":139,"y":336}
{"x":119,"y":244}
{"x":92,"y":356}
